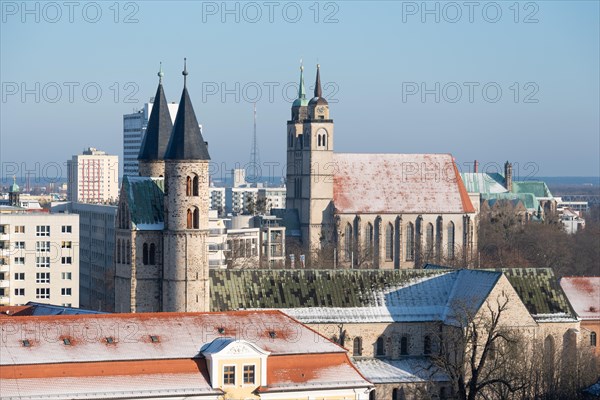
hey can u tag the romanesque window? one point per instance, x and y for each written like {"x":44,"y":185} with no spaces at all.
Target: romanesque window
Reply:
{"x":451,"y":240}
{"x":369,"y":240}
{"x":389,"y":242}
{"x":348,"y":242}
{"x":410,"y":241}
{"x":379,"y":347}
{"x":593,"y":339}
{"x":404,"y":346}
{"x":145,"y":254}
{"x":196,"y":218}
{"x":188,"y":186}
{"x":321,"y":139}
{"x":189,"y":219}
{"x":429,"y":240}
{"x":152,"y":254}
{"x":195,"y":185}
{"x":427,"y":345}
{"x":357,"y":346}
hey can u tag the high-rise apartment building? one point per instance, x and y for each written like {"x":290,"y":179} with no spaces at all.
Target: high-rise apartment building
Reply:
{"x":93,"y":177}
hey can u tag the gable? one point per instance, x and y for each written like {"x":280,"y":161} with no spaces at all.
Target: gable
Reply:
{"x":398,"y":183}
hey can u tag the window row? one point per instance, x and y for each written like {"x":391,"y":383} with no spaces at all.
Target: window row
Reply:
{"x":248,"y":378}
{"x":380,"y":350}
{"x":123,"y":250}
{"x":43,"y":293}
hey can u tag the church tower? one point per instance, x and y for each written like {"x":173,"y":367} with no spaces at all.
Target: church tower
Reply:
{"x":157,"y":135}
{"x":185,"y":274}
{"x":14,"y":194}
{"x":310,"y":170}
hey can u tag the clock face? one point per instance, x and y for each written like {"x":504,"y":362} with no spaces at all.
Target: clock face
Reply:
{"x":321,"y":109}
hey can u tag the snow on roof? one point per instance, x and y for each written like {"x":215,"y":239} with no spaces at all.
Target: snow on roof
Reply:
{"x":409,"y":370}
{"x":117,"y":337}
{"x":432,"y":298}
{"x":484,"y":182}
{"x":398,"y":183}
{"x":584,"y":295}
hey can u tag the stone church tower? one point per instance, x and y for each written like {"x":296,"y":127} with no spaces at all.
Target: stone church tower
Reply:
{"x":310,"y":170}
{"x":185,"y":285}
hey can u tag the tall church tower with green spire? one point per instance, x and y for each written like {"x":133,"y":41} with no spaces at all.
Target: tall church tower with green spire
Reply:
{"x":310,"y":170}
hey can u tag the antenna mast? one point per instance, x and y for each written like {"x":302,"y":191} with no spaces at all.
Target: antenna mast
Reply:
{"x":254,"y":154}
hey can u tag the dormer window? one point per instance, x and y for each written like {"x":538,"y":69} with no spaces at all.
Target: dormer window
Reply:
{"x":229,"y":375}
{"x":249,"y":373}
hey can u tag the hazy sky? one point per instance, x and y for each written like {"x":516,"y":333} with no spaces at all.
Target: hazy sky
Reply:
{"x":493,"y":81}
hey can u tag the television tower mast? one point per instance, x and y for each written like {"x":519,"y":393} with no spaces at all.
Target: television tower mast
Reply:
{"x":254,"y":154}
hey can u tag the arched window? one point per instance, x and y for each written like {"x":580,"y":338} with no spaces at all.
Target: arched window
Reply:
{"x":369,"y":240}
{"x":152,"y":254}
{"x":348,"y":242}
{"x":404,"y":346}
{"x":189,"y":219}
{"x":410,"y":241}
{"x":195,"y":185}
{"x":128,"y":252}
{"x":357,"y":346}
{"x":429,"y":240}
{"x":379,"y":348}
{"x":389,"y":242}
{"x":593,"y":339}
{"x":398,"y":394}
{"x":291,"y":140}
{"x":548,"y":359}
{"x":188,"y":186}
{"x":451,"y":240}
{"x":196,"y":218}
{"x":123,"y":252}
{"x":427,"y":345}
{"x":119,"y":251}
{"x":145,"y":254}
{"x":372,"y":395}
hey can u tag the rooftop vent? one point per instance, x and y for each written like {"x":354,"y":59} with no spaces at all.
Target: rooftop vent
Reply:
{"x":66,"y":342}
{"x":110,"y":340}
{"x":272,"y":334}
{"x":26,"y":343}
{"x":154,"y":338}
{"x":221,"y":330}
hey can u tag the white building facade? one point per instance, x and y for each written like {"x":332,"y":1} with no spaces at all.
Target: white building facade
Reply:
{"x":93,"y":177}
{"x":39,"y":259}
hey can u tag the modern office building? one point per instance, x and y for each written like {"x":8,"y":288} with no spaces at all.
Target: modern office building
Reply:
{"x":93,"y":177}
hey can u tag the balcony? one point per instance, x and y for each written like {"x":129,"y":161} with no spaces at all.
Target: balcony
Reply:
{"x":4,"y":300}
{"x":4,"y":283}
{"x":4,"y":268}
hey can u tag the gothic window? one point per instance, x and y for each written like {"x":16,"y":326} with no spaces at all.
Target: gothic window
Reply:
{"x":451,"y":240}
{"x":427,"y":345}
{"x":404,"y":346}
{"x":145,"y":254}
{"x":379,"y":349}
{"x":196,"y":218}
{"x":189,"y":219}
{"x":123,"y":252}
{"x":410,"y":242}
{"x":389,"y":242}
{"x":369,"y":240}
{"x":301,"y":140}
{"x":128,"y":252}
{"x":357,"y":346}
{"x":188,"y":186}
{"x":348,"y":242}
{"x":119,"y":251}
{"x":152,"y":254}
{"x":429,"y":240}
{"x":438,"y":237}
{"x":195,"y":185}
{"x":290,"y":139}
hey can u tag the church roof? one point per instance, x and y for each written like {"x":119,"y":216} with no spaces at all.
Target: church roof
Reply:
{"x":398,"y":183}
{"x":145,"y":200}
{"x":407,"y":370}
{"x":483,"y":182}
{"x":528,"y":200}
{"x":538,"y":188}
{"x":159,"y":129}
{"x":186,"y":142}
{"x":583,"y":293}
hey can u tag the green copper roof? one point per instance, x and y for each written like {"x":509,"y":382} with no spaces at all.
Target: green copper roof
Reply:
{"x":537,"y":188}
{"x":481,"y":182}
{"x":529,"y":200}
{"x":14,"y":188}
{"x":145,"y":200}
{"x":301,"y":100}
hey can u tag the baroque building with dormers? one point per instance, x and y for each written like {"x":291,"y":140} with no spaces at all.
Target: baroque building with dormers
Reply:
{"x":360,"y":210}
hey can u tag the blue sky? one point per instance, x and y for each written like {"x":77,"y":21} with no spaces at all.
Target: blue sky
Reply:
{"x":503,"y":81}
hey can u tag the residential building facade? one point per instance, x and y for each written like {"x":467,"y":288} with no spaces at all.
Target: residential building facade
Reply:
{"x":93,"y":177}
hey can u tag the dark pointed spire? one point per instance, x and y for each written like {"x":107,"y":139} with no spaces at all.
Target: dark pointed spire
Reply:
{"x":318,"y":92}
{"x":186,"y":142}
{"x":159,"y":126}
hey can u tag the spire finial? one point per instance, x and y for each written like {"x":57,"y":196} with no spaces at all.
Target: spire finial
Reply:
{"x":318,"y":92}
{"x":160,"y":73}
{"x":301,"y":91}
{"x":184,"y":73}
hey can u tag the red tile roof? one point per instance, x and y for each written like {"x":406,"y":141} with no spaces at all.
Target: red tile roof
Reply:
{"x":398,"y":183}
{"x":584,"y":295}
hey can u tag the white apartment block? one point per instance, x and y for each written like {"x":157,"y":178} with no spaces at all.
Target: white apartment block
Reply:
{"x":217,"y":241}
{"x":237,"y":199}
{"x":134,"y":129}
{"x":217,"y":199}
{"x":39,"y":258}
{"x":274,"y":197}
{"x":93,"y":177}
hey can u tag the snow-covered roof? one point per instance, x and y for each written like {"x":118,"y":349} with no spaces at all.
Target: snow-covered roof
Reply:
{"x":408,"y":370}
{"x":583,"y":294}
{"x":398,"y":183}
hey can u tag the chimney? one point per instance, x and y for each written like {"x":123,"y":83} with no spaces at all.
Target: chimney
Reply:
{"x":476,"y":166}
{"x":508,"y":176}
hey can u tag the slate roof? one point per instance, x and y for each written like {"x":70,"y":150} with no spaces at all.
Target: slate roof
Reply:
{"x":409,"y":370}
{"x":159,"y":129}
{"x":186,"y":142}
{"x":398,"y":183}
{"x":145,"y":200}
{"x":482,"y":182}
{"x":583,"y":293}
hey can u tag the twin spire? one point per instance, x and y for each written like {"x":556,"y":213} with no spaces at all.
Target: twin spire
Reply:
{"x":181,"y":140}
{"x":301,"y":100}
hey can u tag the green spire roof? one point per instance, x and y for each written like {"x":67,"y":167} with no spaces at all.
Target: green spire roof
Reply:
{"x":301,"y":100}
{"x":14,"y":188}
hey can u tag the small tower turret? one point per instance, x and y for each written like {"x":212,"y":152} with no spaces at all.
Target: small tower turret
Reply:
{"x":14,"y":194}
